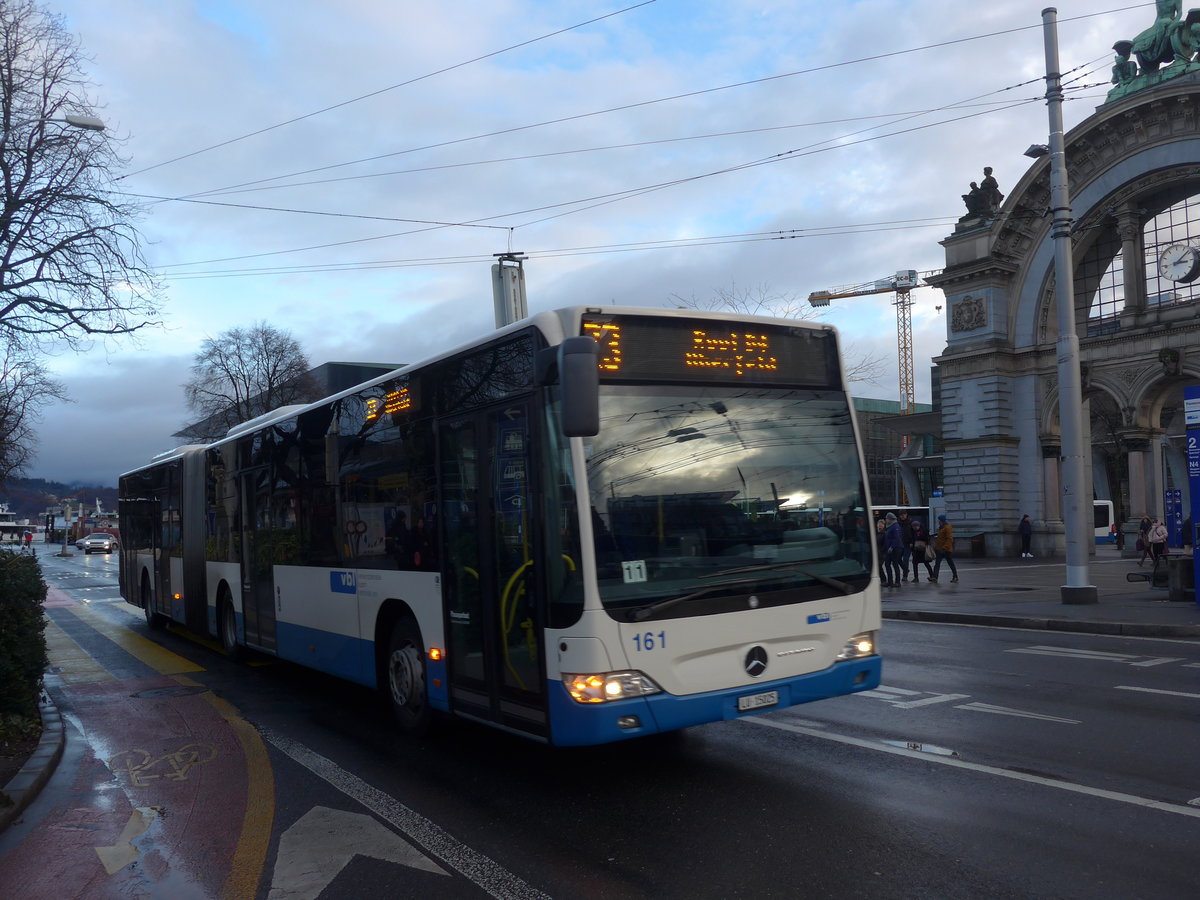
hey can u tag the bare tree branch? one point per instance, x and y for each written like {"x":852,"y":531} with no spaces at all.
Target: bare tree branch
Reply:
{"x":243,"y":373}
{"x":25,"y":388}
{"x":71,"y":265}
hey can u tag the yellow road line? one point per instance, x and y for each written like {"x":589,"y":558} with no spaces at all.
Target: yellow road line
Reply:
{"x":250,"y":856}
{"x":158,"y":658}
{"x":74,"y":664}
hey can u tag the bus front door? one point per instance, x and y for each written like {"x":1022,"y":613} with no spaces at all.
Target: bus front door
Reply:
{"x":490,"y":573}
{"x":258,"y":600}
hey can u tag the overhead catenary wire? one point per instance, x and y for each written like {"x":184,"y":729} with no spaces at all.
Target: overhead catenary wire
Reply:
{"x":385,"y":90}
{"x":666,"y":244}
{"x":599,"y":200}
{"x":583,"y":204}
{"x":624,"y":107}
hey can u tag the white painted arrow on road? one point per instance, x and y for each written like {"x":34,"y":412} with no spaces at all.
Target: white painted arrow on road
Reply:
{"x":314,"y":850}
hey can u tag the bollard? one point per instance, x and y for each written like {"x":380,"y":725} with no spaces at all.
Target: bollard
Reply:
{"x":1181,"y":579}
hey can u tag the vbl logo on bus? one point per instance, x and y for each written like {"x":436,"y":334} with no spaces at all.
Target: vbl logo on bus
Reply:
{"x":342,"y":583}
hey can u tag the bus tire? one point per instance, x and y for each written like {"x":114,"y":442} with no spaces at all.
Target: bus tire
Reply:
{"x":406,"y":686}
{"x":227,"y":627}
{"x":155,"y":621}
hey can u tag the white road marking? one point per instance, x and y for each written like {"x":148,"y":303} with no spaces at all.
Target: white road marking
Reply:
{"x":929,"y":701}
{"x":1145,"y":690}
{"x":1005,"y":711}
{"x":479,"y":869}
{"x":1076,"y":654}
{"x":976,"y":767}
{"x":889,"y":693}
{"x":892,"y":696}
{"x":323,"y":841}
{"x":1158,"y":661}
{"x":122,"y":853}
{"x":1129,"y":659}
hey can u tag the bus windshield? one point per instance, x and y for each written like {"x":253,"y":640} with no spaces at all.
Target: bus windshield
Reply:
{"x":706,"y":499}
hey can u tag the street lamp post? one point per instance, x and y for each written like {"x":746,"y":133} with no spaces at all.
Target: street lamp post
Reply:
{"x":1070,"y":390}
{"x":87,"y":123}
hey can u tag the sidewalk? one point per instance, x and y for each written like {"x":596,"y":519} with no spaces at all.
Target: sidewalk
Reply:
{"x":1025,"y":593}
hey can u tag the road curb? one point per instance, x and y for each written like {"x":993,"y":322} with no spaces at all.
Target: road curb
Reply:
{"x":24,"y":787}
{"x":1130,"y":629}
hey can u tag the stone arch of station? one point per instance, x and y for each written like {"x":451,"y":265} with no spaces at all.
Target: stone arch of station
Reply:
{"x":1132,"y":160}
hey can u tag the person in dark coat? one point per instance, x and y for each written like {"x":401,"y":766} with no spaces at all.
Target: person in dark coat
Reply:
{"x":1144,"y":538}
{"x":905,"y":536}
{"x":893,"y":545}
{"x":1025,"y":529}
{"x":920,"y":541}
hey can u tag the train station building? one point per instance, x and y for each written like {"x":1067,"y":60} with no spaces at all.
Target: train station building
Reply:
{"x":1134,"y":179}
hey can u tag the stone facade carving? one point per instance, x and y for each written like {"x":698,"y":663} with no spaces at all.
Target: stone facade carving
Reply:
{"x":968,"y":314}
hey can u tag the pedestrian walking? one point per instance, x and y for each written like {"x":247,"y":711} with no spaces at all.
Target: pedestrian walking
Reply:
{"x":921,"y":551}
{"x":1143,"y":542}
{"x":1158,"y":540}
{"x":943,"y":548}
{"x":893,"y":544}
{"x":881,"y":550}
{"x":906,"y":537}
{"x":1025,"y":530}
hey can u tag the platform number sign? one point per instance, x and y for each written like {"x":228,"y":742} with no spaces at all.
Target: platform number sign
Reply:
{"x":1191,"y":407}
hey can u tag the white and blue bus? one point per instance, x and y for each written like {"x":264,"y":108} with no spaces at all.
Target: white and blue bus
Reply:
{"x":545,"y":531}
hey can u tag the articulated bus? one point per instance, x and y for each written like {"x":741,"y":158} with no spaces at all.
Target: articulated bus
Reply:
{"x":548,"y":531}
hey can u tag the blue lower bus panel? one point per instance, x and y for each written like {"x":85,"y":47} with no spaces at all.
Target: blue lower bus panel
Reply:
{"x":577,"y":724}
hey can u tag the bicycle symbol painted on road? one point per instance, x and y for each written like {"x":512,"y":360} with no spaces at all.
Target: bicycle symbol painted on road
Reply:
{"x":138,"y":764}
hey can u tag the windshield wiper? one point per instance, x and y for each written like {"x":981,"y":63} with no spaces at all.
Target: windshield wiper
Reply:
{"x":643,"y":612}
{"x":815,"y":576}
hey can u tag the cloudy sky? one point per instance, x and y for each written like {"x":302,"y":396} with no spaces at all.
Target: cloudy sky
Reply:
{"x":346,"y":170}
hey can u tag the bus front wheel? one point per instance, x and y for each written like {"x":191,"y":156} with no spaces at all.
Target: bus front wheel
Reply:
{"x":406,"y":678}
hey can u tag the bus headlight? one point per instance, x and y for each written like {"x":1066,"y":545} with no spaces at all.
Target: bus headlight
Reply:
{"x":859,"y":646}
{"x":609,"y":686}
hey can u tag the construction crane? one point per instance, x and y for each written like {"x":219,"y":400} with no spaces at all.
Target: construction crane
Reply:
{"x":901,"y":284}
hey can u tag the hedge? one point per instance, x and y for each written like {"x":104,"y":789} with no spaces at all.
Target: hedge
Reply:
{"x":22,"y":642}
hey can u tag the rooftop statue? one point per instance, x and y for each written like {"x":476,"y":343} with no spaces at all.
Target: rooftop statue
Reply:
{"x":1124,"y":69}
{"x":984,"y":199}
{"x":1171,"y":43}
{"x":1153,"y":46}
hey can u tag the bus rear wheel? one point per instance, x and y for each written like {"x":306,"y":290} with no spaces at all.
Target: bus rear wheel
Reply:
{"x":406,"y":678}
{"x":156,"y":621}
{"x":227,"y":627}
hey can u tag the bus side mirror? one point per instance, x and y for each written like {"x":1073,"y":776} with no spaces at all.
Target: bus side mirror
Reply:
{"x":579,"y":379}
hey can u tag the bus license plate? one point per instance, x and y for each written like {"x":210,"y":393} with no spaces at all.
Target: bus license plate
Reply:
{"x":758,"y":701}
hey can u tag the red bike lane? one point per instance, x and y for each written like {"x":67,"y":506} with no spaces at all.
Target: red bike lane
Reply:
{"x":170,"y":793}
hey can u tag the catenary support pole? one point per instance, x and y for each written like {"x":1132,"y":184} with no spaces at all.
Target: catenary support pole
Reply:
{"x":1070,"y":391}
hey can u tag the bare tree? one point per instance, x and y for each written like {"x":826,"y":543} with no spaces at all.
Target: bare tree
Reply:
{"x":762,"y":300}
{"x":70,"y":259}
{"x":25,"y":388}
{"x":243,"y":373}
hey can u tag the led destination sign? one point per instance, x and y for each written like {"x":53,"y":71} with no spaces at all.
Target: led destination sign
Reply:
{"x":656,"y":349}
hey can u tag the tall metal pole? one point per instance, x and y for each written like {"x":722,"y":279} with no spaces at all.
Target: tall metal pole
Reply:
{"x":1070,"y":391}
